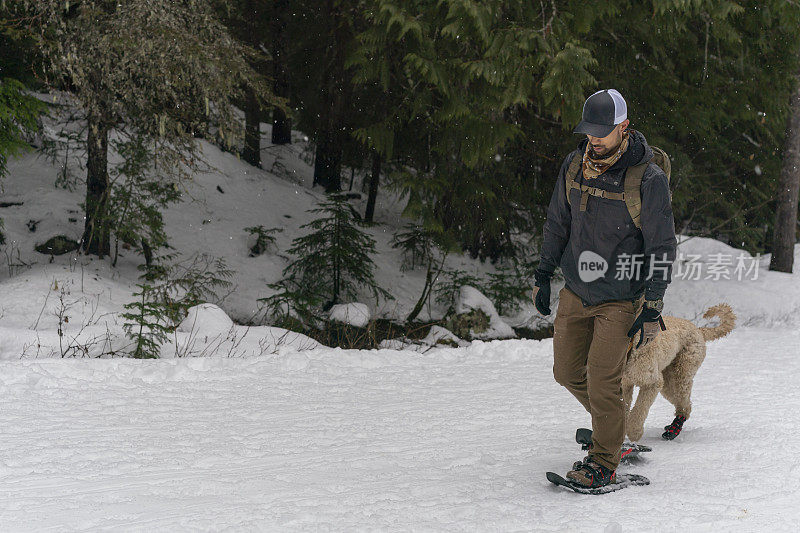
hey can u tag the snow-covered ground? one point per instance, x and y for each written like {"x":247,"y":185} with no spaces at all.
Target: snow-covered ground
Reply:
{"x":331,"y":440}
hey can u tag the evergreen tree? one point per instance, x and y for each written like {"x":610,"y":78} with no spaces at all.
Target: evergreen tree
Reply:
{"x":148,"y":328}
{"x":451,"y":74}
{"x":164,"y":70}
{"x":333,"y":262}
{"x":136,"y":199}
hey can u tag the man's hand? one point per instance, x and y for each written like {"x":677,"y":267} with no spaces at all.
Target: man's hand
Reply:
{"x":649,"y":323}
{"x":541,"y":292}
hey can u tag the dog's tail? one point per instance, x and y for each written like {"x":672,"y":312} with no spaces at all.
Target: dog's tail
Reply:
{"x":727,"y":321}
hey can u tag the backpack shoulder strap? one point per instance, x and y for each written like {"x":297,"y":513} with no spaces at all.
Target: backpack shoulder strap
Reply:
{"x":633,"y":191}
{"x":572,"y":173}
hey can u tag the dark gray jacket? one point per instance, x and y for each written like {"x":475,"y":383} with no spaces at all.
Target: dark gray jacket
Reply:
{"x":606,"y":228}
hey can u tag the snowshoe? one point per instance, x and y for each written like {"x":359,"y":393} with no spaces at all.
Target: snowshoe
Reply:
{"x":622,"y":481}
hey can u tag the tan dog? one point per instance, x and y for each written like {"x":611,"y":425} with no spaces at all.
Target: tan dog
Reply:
{"x":668,"y":365}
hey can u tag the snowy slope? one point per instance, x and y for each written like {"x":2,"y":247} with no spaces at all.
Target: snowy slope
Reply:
{"x":332,"y":440}
{"x":212,"y":222}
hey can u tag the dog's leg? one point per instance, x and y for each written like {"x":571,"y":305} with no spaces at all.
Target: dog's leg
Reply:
{"x":679,"y":378}
{"x":644,"y":400}
{"x":678,"y":390}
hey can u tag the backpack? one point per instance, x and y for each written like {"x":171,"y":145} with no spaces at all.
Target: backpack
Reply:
{"x":632,"y":196}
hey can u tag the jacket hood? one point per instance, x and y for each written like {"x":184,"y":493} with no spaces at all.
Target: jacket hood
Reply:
{"x":637,"y":153}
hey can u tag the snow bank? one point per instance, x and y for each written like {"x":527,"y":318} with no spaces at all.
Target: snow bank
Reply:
{"x":84,"y":307}
{"x":469,"y":298}
{"x":440,"y":335}
{"x":705,"y":274}
{"x":436,"y":337}
{"x":36,"y":298}
{"x":206,"y":318}
{"x":354,"y":314}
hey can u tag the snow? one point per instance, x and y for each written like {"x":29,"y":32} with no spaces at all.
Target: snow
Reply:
{"x":450,"y":440}
{"x":437,"y":335}
{"x":207,"y":318}
{"x":354,"y":314}
{"x":88,"y":308}
{"x":468,"y":299}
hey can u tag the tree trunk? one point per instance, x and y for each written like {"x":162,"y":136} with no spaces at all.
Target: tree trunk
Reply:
{"x":281,"y":124}
{"x":784,"y":236}
{"x":330,"y":136}
{"x":373,"y":186}
{"x":328,"y":164}
{"x":96,"y":231}
{"x":252,"y":130}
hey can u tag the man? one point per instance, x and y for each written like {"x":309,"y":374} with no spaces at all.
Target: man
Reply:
{"x":594,"y":234}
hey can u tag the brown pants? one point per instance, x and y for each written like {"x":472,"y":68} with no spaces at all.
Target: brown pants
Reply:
{"x":590,"y":347}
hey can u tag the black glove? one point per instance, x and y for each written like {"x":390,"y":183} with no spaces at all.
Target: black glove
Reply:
{"x":648,"y":322}
{"x":542,"y":301}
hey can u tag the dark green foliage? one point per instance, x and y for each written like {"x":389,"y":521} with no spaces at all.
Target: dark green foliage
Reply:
{"x":451,"y":283}
{"x":18,"y":115}
{"x":465,"y":324}
{"x":506,"y":288}
{"x":149,"y":327}
{"x":332,"y":263}
{"x":176,"y":285}
{"x":446,"y":75}
{"x":137,"y":198}
{"x":422,"y":245}
{"x":426,"y":247}
{"x":265,"y":239}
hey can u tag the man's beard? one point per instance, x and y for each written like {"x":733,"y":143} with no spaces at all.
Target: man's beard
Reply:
{"x":595,"y":155}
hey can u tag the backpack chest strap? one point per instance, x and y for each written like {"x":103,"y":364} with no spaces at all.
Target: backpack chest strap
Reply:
{"x":586,"y":190}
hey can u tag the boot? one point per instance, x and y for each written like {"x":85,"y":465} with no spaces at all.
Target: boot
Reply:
{"x":591,"y":474}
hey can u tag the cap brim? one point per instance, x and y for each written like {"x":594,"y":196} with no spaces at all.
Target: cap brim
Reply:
{"x":595,"y":130}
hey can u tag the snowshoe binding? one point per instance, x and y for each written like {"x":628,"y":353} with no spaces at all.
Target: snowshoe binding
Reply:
{"x":630,"y":451}
{"x":591,"y":475}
